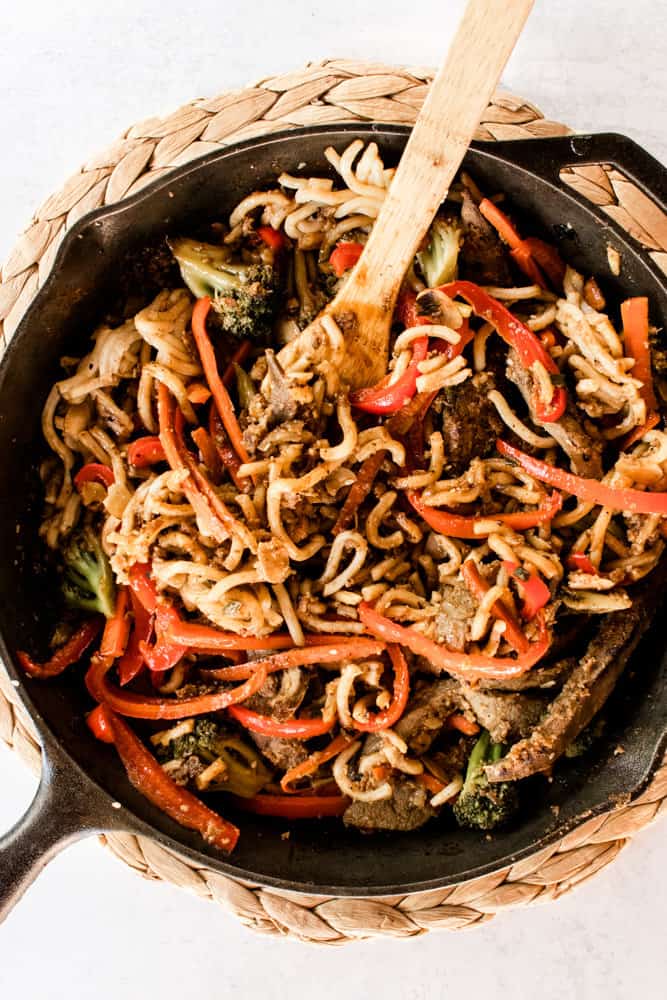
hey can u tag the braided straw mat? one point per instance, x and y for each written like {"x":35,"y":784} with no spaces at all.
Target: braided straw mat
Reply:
{"x":325,"y":93}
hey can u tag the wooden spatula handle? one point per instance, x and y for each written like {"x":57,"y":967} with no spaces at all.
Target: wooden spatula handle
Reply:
{"x":458,"y":96}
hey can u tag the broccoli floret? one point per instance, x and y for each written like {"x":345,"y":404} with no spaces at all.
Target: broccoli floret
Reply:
{"x":88,"y":582}
{"x":201,"y":742}
{"x":244,"y":296}
{"x":222,"y":761}
{"x":439,"y":261}
{"x":482,"y":805}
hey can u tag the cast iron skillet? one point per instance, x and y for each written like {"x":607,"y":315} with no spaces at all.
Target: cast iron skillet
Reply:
{"x":83,"y":788}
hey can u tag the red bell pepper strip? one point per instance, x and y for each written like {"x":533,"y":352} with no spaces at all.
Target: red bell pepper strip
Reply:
{"x":295,"y":729}
{"x":532,"y":255}
{"x":70,"y":652}
{"x":344,"y":257}
{"x":98,"y":723}
{"x":463,"y":526}
{"x":591,"y":490}
{"x":406,"y":310}
{"x":117,"y":628}
{"x":165,"y":653}
{"x":522,"y":257}
{"x":237,"y":358}
{"x":533,"y":591}
{"x":548,"y":259}
{"x":139,"y":706}
{"x":149,"y":778}
{"x":478,"y":587}
{"x":634,"y":314}
{"x":145,"y":451}
{"x":330,"y":651}
{"x":294,"y":806}
{"x":517,"y":335}
{"x":389,"y":398}
{"x":580,"y":562}
{"x":272,"y":237}
{"x":464,"y":666}
{"x":390,"y":716}
{"x":315,"y":761}
{"x":132,"y":659}
{"x":500,"y":223}
{"x":94,"y":472}
{"x":215,"y":383}
{"x":535,"y":595}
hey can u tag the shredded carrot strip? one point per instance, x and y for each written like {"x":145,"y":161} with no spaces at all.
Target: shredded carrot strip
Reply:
{"x":337,"y":745}
{"x":462,"y":725}
{"x":215,"y":383}
{"x":478,"y":587}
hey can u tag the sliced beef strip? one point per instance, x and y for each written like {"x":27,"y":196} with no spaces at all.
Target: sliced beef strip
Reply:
{"x":457,"y":610}
{"x":587,"y":688}
{"x":283,"y":754}
{"x":426,"y":713}
{"x":470,"y":423}
{"x":408,"y":809}
{"x":507,"y":716}
{"x":546,"y":677}
{"x":281,"y":694}
{"x":282,"y":404}
{"x":483,"y":257}
{"x":584,"y":452}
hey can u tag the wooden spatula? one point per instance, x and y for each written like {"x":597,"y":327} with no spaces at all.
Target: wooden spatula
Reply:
{"x":458,"y":96}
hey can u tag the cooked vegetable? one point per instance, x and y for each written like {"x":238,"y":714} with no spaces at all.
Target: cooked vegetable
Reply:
{"x":515,"y":333}
{"x":481,"y":805}
{"x":439,"y":260}
{"x":327,"y":596}
{"x":70,"y":652}
{"x":151,"y":780}
{"x":88,"y":582}
{"x":384,"y":398}
{"x":630,"y":500}
{"x":238,"y":768}
{"x":243,"y":295}
{"x":468,"y":526}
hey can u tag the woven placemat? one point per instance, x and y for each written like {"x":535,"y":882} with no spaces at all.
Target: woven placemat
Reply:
{"x":325,"y":93}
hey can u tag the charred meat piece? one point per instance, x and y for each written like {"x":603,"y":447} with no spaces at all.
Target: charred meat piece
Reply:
{"x":483,"y":257}
{"x":587,"y":688}
{"x":584,"y":452}
{"x":283,"y":754}
{"x":507,"y":716}
{"x":539,"y":677}
{"x":470,"y":423}
{"x":456,"y":612}
{"x":282,"y":405}
{"x":427,"y":712}
{"x":281,"y":694}
{"x":408,"y":809}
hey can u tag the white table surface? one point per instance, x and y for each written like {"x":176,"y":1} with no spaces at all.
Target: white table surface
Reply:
{"x":73,"y":76}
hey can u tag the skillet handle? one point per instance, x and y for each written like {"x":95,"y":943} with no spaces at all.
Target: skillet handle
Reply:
{"x":546,"y":157}
{"x":59,"y":814}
